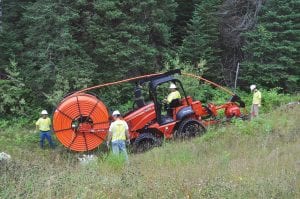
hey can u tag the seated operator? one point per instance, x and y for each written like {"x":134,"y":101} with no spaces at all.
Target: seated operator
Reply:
{"x":174,"y":94}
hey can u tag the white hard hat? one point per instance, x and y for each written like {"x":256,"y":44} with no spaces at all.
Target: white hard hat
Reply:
{"x":252,"y":87}
{"x":172,"y":85}
{"x":44,"y":112}
{"x":115,"y":113}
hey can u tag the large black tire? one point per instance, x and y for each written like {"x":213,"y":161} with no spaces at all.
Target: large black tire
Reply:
{"x":190,"y":128}
{"x":145,"y":142}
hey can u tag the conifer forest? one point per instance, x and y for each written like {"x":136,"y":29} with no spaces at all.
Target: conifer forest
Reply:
{"x":49,"y":48}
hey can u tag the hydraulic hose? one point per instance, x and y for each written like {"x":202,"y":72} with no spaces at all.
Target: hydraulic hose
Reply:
{"x":117,"y":82}
{"x":152,"y":75}
{"x":210,"y":82}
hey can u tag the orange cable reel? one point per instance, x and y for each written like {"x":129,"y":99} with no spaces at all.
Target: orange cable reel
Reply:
{"x":81,"y":122}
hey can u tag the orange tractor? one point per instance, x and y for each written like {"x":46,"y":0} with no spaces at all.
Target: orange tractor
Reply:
{"x":81,"y":120}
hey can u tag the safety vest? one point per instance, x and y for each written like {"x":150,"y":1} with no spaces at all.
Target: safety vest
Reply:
{"x":173,"y":95}
{"x":44,"y":124}
{"x":256,"y":97}
{"x":118,"y":129}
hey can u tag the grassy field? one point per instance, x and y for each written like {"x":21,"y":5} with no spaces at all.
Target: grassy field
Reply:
{"x":257,"y":159}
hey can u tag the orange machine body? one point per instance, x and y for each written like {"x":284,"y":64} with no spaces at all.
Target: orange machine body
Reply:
{"x":81,"y":121}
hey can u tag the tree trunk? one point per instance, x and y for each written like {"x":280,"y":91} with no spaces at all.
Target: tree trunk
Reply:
{"x":237,"y":17}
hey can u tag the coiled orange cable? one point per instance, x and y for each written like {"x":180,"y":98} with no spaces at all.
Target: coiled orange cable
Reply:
{"x":80,"y":122}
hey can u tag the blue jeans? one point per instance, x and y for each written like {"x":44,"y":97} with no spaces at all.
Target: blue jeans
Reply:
{"x":46,"y":135}
{"x":119,"y":146}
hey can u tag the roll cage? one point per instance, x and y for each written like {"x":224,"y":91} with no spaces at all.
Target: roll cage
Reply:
{"x":156,"y":81}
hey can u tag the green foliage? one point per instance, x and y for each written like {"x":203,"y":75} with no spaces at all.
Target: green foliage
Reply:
{"x":12,"y":32}
{"x":272,"y":47}
{"x":55,"y":62}
{"x":195,"y":88}
{"x":58,"y":47}
{"x":69,"y":45}
{"x":201,"y":42}
{"x":184,"y":12}
{"x":274,"y":98}
{"x":13,"y":92}
{"x":3,"y":123}
{"x":130,"y":38}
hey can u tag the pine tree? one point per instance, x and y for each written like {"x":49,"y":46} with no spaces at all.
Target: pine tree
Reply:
{"x":130,"y":38}
{"x":201,"y":43}
{"x":13,"y":92}
{"x":131,"y":35}
{"x":0,"y":15}
{"x":273,"y":57}
{"x":52,"y":52}
{"x":11,"y":33}
{"x":184,"y":12}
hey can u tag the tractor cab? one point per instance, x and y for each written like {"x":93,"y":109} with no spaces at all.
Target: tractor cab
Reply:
{"x":158,"y":91}
{"x":161,"y":111}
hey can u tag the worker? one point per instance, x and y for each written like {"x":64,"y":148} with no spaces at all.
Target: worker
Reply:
{"x":174,"y":94}
{"x":43,"y":125}
{"x":256,"y":102}
{"x":118,"y":134}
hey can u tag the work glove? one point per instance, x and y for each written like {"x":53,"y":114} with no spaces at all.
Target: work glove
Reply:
{"x":259,"y":105}
{"x":128,"y":142}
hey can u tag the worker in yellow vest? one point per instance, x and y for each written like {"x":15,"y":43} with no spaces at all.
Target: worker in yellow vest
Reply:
{"x":43,"y":125}
{"x":118,"y":134}
{"x":174,"y":94}
{"x":256,"y":102}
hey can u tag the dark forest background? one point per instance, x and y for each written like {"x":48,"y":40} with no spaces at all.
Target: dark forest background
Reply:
{"x":49,"y":48}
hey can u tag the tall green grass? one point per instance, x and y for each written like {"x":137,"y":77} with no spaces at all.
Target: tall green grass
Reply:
{"x":250,"y":159}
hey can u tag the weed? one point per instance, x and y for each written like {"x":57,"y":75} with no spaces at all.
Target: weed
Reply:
{"x":115,"y":163}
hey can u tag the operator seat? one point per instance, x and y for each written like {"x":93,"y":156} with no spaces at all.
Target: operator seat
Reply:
{"x":173,"y":104}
